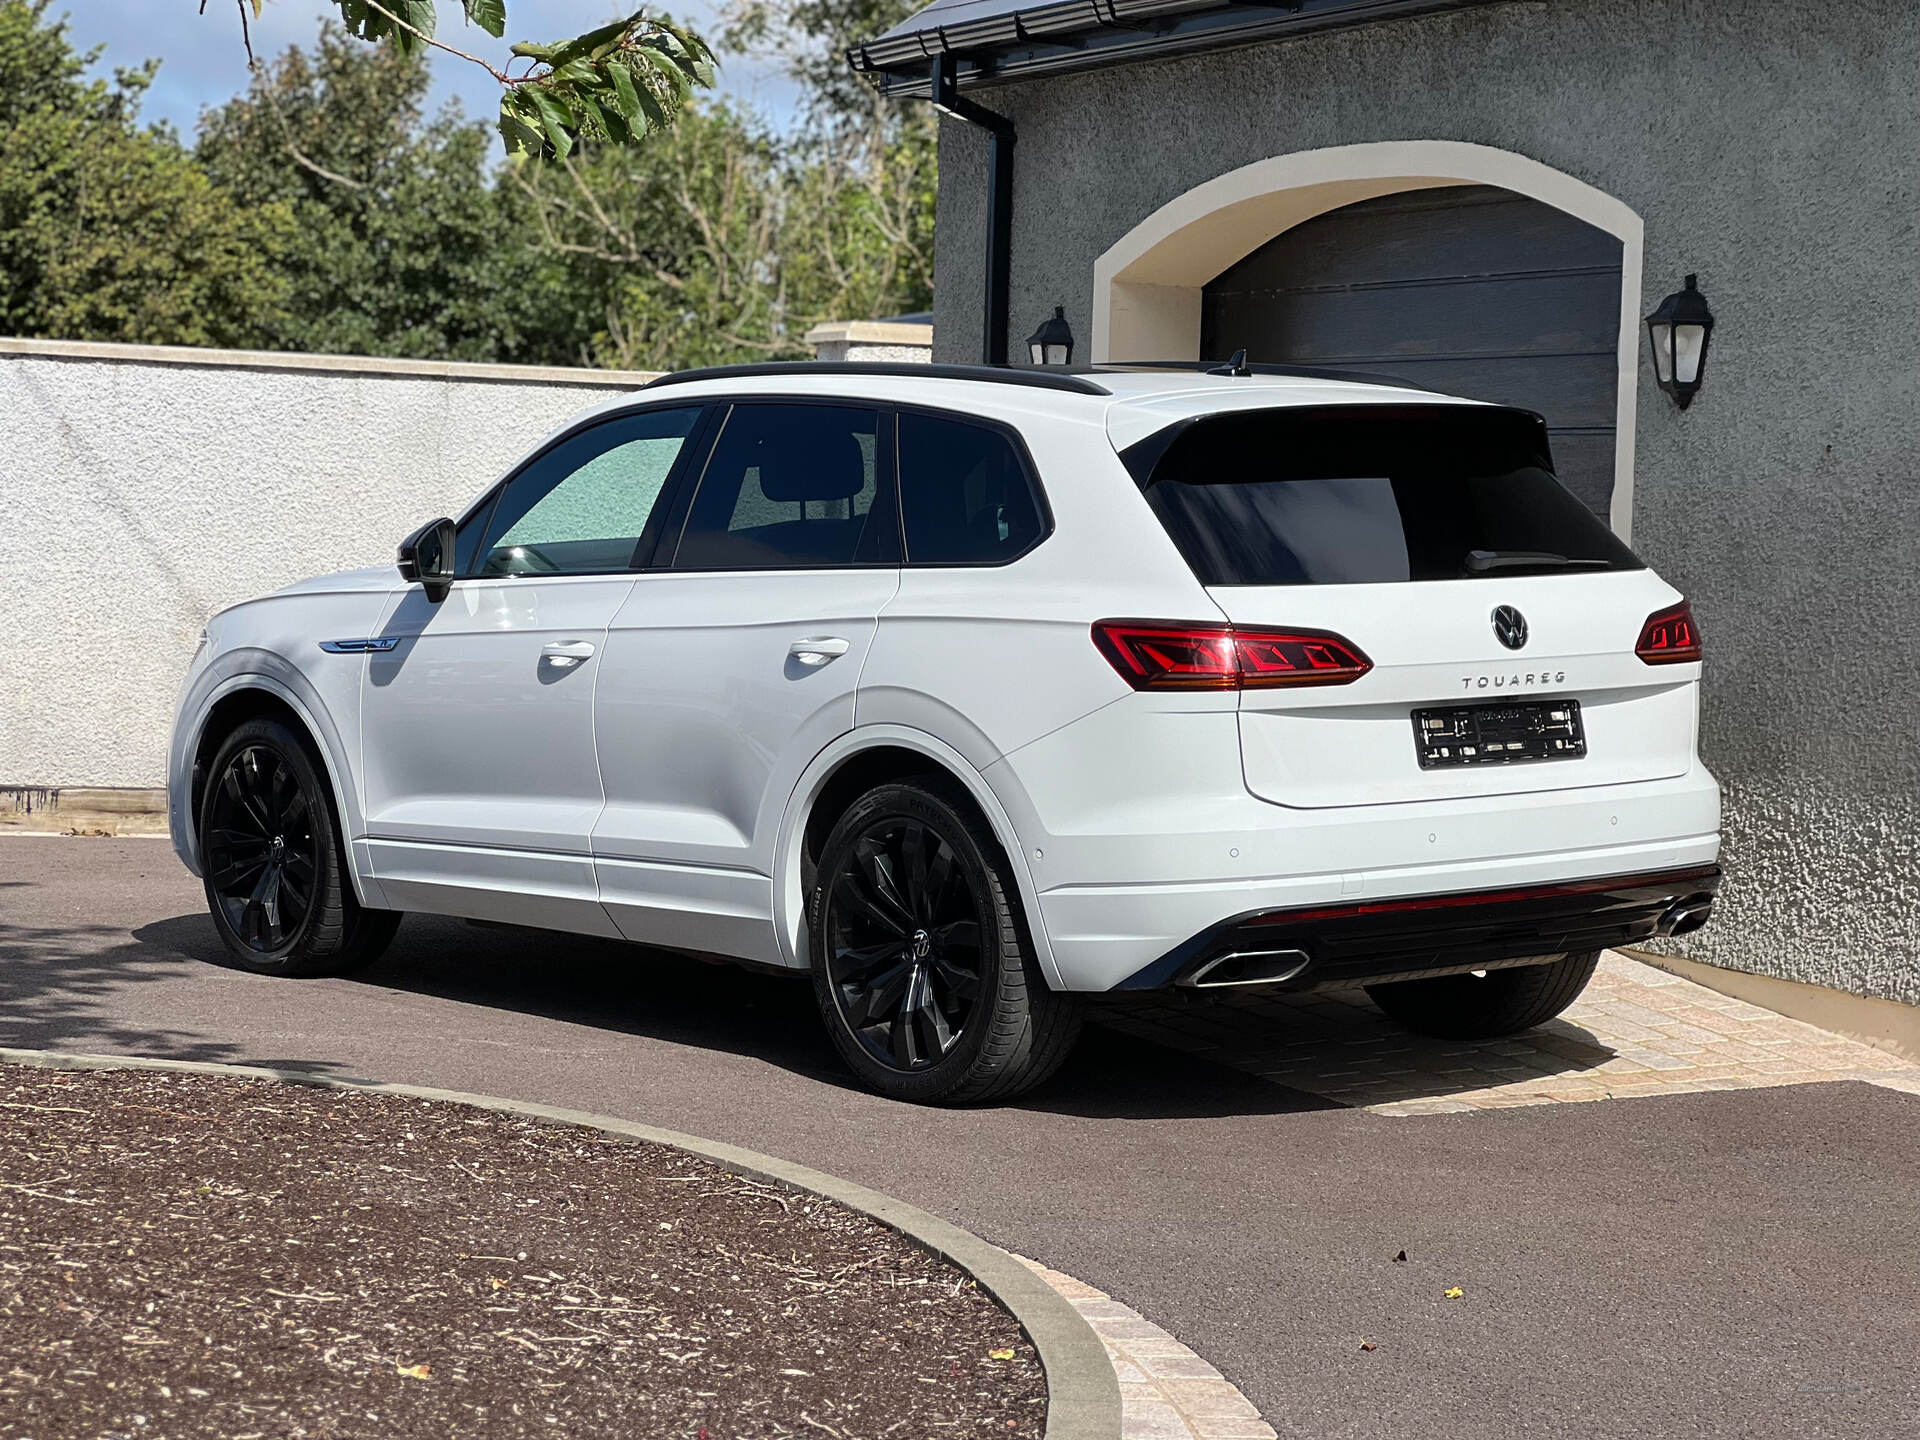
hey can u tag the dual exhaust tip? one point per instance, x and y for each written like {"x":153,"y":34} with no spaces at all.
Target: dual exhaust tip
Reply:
{"x":1239,"y":968}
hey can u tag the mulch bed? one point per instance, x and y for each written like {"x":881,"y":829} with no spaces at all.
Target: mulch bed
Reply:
{"x":185,"y":1255}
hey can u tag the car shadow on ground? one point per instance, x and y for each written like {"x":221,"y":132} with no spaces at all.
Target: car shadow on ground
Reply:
{"x":628,"y":989}
{"x":1154,"y":1058}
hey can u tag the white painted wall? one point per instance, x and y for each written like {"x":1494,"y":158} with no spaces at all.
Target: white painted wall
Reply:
{"x":142,"y":488}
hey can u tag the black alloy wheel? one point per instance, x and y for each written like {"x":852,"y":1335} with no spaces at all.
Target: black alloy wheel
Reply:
{"x":922,"y":966}
{"x":277,"y":877}
{"x":262,"y":857}
{"x":904,"y":933}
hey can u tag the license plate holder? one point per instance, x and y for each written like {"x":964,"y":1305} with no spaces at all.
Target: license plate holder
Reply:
{"x":1500,"y":732}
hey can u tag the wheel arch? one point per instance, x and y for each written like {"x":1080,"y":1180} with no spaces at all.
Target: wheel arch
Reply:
{"x":848,"y":768}
{"x":245,"y":695}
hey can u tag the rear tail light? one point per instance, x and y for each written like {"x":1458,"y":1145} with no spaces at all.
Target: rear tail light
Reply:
{"x":1669,"y":637}
{"x":1152,"y":655}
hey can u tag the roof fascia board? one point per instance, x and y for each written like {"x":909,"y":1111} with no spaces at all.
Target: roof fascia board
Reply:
{"x":1084,"y":35}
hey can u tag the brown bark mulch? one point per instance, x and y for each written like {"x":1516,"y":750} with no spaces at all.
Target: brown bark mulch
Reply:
{"x":186,"y":1255}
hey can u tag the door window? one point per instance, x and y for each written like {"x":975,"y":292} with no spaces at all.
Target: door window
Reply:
{"x":964,"y":493}
{"x":583,"y":507}
{"x":791,"y":487}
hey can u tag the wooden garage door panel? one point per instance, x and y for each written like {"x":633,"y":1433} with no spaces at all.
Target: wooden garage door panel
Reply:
{"x":1469,"y":290}
{"x":1515,"y":316}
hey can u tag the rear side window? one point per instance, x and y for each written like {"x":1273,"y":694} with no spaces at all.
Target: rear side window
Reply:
{"x":1367,"y":494}
{"x":965,"y":497}
{"x":789,"y":487}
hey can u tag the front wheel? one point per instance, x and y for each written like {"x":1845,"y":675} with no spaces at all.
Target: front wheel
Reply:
{"x":1489,"y":1004}
{"x":276,"y":870}
{"x":920,"y":965}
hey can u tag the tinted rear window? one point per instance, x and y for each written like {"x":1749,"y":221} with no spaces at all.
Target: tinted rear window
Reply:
{"x":1364,"y":494}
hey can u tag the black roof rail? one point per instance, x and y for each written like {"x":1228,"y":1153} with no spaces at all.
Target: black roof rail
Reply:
{"x":992,"y":374}
{"x":1240,"y":365}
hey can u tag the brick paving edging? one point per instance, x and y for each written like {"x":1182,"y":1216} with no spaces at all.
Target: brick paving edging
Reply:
{"x":1638,"y":1030}
{"x":1166,"y":1391}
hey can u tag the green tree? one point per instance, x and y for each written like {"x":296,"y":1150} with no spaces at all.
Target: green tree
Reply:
{"x":673,"y":248}
{"x":400,"y":245}
{"x":109,"y":231}
{"x":866,"y":167}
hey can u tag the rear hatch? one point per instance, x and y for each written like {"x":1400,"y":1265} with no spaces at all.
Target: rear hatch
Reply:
{"x":1421,"y":535}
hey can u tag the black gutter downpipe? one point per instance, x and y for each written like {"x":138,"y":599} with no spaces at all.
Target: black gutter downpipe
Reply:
{"x":948,"y":100}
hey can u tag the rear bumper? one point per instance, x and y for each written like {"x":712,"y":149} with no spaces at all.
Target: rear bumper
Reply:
{"x":1339,"y":945}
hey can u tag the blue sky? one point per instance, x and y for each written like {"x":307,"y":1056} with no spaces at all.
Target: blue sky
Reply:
{"x":203,"y":63}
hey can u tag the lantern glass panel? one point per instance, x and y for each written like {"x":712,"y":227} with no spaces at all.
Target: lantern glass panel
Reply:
{"x":1662,"y":351}
{"x":1689,"y":343}
{"x":1056,"y":354}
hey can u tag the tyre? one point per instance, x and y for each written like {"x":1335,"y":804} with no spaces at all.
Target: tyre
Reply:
{"x":921,"y":965}
{"x":1489,"y":1004}
{"x":275,"y":868}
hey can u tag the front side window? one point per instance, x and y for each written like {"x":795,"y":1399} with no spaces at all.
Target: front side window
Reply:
{"x":965,"y":497}
{"x":790,"y":487}
{"x":583,"y":506}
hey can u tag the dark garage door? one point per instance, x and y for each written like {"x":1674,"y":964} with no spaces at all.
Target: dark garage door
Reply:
{"x":1467,"y":289}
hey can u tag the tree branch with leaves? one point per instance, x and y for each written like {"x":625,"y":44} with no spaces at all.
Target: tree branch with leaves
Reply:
{"x":615,"y":84}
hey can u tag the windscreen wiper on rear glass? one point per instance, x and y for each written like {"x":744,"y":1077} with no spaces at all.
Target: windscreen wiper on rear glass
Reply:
{"x":1482,"y":561}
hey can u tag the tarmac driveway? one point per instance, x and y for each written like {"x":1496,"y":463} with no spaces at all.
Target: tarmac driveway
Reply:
{"x":1722,"y":1263}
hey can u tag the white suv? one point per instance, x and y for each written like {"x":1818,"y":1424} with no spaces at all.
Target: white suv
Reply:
{"x":974,"y":692}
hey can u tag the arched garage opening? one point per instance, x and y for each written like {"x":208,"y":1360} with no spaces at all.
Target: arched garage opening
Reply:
{"x":1466,"y":289}
{"x":1457,"y":267}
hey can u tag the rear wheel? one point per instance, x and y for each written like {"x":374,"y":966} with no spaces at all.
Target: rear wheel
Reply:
{"x":1489,"y":1004}
{"x":921,"y":967}
{"x":275,"y":868}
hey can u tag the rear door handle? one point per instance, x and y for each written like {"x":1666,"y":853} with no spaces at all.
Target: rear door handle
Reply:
{"x":565,"y":654}
{"x":818,"y":649}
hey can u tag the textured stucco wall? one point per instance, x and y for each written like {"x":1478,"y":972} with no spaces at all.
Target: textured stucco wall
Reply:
{"x":1774,"y":147}
{"x":138,"y":498}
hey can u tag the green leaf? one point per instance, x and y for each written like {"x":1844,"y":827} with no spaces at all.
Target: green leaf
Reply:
{"x":527,"y":50}
{"x":624,"y":95}
{"x":555,"y":119}
{"x":586,"y":44}
{"x":650,"y":105}
{"x":521,"y":135}
{"x":489,"y":15}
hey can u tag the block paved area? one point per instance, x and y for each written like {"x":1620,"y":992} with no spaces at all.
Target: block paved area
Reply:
{"x":1166,"y":1391}
{"x":1637,"y":1030}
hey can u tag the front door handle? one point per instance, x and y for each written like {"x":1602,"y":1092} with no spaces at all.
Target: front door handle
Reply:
{"x":565,"y":654}
{"x":818,"y":649}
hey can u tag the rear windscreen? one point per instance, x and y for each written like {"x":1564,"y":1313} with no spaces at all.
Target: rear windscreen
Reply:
{"x":1359,"y":494}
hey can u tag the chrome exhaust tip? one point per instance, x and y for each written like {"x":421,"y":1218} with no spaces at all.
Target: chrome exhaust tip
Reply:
{"x":1249,"y":967}
{"x":1683,"y":917}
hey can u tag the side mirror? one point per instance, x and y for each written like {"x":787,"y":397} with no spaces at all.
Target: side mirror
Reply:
{"x":426,"y":556}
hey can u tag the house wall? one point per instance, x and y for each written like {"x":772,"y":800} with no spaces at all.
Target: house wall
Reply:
{"x":142,"y":488}
{"x":1773,"y":146}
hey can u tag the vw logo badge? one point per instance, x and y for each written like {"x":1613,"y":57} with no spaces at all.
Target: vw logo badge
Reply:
{"x":1510,"y":626}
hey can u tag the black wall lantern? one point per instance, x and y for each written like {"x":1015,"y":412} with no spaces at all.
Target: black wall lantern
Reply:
{"x":1052,"y":343}
{"x":1679,"y":331}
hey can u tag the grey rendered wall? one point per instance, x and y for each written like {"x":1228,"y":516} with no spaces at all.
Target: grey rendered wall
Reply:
{"x":1774,"y":147}
{"x":141,"y":489}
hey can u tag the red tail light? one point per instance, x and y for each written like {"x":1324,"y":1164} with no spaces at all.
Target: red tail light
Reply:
{"x":1157,"y":655}
{"x":1669,"y":637}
